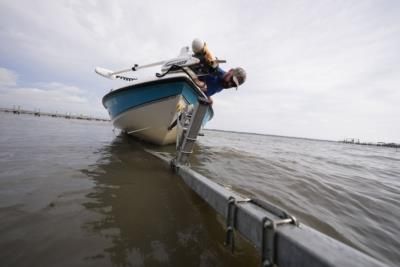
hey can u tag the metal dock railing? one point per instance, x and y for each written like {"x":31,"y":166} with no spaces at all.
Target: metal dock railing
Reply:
{"x":278,"y":236}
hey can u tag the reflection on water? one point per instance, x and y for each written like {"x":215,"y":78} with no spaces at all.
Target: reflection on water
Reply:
{"x":73,"y":194}
{"x":148,"y":216}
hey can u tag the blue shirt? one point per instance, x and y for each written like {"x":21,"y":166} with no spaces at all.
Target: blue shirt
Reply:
{"x":214,"y":81}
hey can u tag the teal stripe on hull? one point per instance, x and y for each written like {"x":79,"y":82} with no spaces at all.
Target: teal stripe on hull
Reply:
{"x":124,"y":99}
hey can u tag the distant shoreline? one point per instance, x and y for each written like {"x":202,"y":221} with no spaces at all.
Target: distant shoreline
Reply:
{"x":67,"y":115}
{"x":357,"y":142}
{"x":273,"y":135}
{"x":345,"y":141}
{"x":39,"y":113}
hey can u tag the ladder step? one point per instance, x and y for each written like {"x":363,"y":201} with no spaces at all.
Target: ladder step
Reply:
{"x":186,"y":152}
{"x":191,"y":124}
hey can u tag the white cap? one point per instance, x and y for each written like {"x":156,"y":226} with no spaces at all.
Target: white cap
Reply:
{"x":239,"y":76}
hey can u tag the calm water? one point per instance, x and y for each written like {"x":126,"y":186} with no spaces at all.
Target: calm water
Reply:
{"x":72,"y":193}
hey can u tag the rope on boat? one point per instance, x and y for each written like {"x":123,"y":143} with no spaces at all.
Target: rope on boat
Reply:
{"x":174,"y":68}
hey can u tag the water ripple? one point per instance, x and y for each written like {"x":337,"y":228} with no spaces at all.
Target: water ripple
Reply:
{"x":349,"y":192}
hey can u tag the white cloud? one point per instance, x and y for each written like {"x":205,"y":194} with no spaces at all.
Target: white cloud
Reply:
{"x":56,"y":96}
{"x":48,"y":97}
{"x":7,"y":77}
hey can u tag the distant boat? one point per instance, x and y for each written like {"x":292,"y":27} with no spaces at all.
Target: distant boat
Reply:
{"x":146,"y":109}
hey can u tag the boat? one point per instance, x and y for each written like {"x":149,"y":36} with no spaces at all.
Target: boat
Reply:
{"x":149,"y":109}
{"x":146,"y":109}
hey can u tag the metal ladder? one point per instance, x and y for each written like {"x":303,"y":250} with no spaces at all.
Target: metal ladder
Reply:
{"x":190,"y":132}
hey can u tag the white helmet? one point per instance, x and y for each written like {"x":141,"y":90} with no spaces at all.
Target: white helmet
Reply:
{"x":197,"y":45}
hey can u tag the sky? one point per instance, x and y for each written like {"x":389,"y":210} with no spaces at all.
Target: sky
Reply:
{"x":315,"y":69}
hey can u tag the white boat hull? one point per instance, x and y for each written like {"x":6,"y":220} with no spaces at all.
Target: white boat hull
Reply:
{"x":146,"y":110}
{"x":150,"y":122}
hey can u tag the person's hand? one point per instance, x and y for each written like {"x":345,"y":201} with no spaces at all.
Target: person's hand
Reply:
{"x":202,"y":85}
